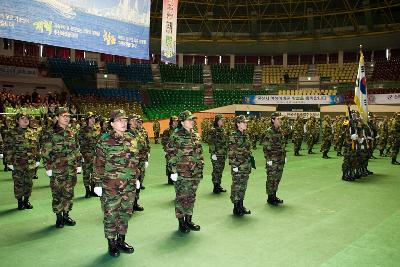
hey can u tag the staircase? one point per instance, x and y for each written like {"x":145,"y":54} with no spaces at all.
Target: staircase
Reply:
{"x":208,"y":86}
{"x":155,"y":69}
{"x":257,"y":78}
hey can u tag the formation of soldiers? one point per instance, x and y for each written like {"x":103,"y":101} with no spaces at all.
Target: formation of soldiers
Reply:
{"x":113,"y":154}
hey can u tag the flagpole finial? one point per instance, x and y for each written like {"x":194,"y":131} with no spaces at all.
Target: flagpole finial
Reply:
{"x":360,"y":47}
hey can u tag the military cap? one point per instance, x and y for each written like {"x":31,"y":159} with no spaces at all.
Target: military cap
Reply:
{"x":132,"y":117}
{"x":174,"y":118}
{"x":186,"y":115}
{"x":20,"y":115}
{"x":219,"y":116}
{"x":275,"y":114}
{"x":241,"y":118}
{"x":119,"y":113}
{"x":62,"y":110}
{"x":90,"y":115}
{"x":139,"y":118}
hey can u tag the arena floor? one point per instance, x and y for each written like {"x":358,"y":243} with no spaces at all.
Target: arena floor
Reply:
{"x":323,"y":222}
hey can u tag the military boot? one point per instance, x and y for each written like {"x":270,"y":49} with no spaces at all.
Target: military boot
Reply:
{"x":271,"y":200}
{"x":136,"y":206}
{"x":67,"y":220}
{"x":183,"y":228}
{"x":192,"y":226}
{"x":112,"y":248}
{"x":27,"y":204}
{"x":277,"y":199}
{"x":88,"y":193}
{"x":20,"y":204}
{"x":123,"y":246}
{"x":395,"y":162}
{"x":381,"y":153}
{"x":59,"y":221}
{"x":243,"y":209}
{"x":237,"y":211}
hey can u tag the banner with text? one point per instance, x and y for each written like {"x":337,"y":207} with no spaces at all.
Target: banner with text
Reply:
{"x":169,"y":24}
{"x":292,"y":99}
{"x":18,"y":71}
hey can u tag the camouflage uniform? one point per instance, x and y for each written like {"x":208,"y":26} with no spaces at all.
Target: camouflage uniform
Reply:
{"x":382,"y":136}
{"x":326,"y":136}
{"x":396,"y":139}
{"x":311,"y":133}
{"x":61,"y":154}
{"x":187,"y":161}
{"x":164,"y":141}
{"x":239,"y":154}
{"x":87,"y":138}
{"x":116,"y":172}
{"x":298,"y":133}
{"x":22,"y":152}
{"x":218,"y":146}
{"x":156,"y":131}
{"x":349,"y":153}
{"x":275,"y":154}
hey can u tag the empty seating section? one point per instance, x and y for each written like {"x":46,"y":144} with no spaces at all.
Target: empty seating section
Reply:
{"x":26,"y":61}
{"x":274,"y":74}
{"x":241,"y":74}
{"x":60,"y":67}
{"x":111,"y":93}
{"x":134,"y":72}
{"x":386,"y":70}
{"x":347,"y":73}
{"x":104,"y":107}
{"x":307,"y":92}
{"x":229,"y":97}
{"x":167,"y":102}
{"x":185,"y":74}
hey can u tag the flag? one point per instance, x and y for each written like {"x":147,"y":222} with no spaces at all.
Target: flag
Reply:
{"x":360,"y":91}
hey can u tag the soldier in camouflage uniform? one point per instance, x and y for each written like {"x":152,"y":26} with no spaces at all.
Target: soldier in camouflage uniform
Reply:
{"x":326,"y":136}
{"x":349,"y":152}
{"x":173,"y":123}
{"x":298,"y":133}
{"x":34,"y":125}
{"x":205,"y":129}
{"x":87,"y":138}
{"x":274,"y":144}
{"x":239,"y":154}
{"x":156,"y":131}
{"x":218,"y":148}
{"x":116,"y":175}
{"x":311,"y":133}
{"x":396,"y":140}
{"x":186,"y":165}
{"x":383,"y":136}
{"x":143,"y":147}
{"x":62,"y":160}
{"x":22,"y":151}
{"x":7,"y":127}
{"x":285,"y":128}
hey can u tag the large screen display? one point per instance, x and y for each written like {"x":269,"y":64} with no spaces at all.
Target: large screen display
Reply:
{"x":117,"y":27}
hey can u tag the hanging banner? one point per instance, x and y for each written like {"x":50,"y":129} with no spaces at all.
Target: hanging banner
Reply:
{"x":169,"y":25}
{"x":293,"y":99}
{"x":18,"y":71}
{"x":295,"y":114}
{"x":384,"y":99}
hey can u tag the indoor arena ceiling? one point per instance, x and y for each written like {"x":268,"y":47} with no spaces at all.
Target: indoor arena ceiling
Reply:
{"x":237,"y":20}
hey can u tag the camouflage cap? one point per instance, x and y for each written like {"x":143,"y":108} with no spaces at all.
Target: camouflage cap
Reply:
{"x":62,"y":110}
{"x":132,"y":117}
{"x":20,"y":115}
{"x":119,"y":113}
{"x":219,"y":117}
{"x":275,"y":114}
{"x":90,"y":115}
{"x":241,"y":118}
{"x":186,"y":115}
{"x":174,"y":118}
{"x":139,"y":118}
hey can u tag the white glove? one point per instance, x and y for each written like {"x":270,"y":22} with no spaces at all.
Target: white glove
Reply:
{"x":146,"y":164}
{"x":78,"y":169}
{"x":11,"y":167}
{"x":37,"y":164}
{"x":285,"y":160}
{"x":98,"y":191}
{"x":49,"y":173}
{"x":236,"y":169}
{"x":354,"y":137}
{"x":269,"y":163}
{"x":83,"y":159}
{"x":214,"y":157}
{"x":1,"y":156}
{"x":174,"y":177}
{"x":137,"y":184}
{"x":361,"y":140}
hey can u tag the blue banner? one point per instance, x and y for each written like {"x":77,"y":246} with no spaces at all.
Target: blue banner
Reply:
{"x":117,"y":27}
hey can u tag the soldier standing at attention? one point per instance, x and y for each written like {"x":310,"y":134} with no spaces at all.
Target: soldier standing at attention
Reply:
{"x":218,"y":148}
{"x":326,"y":136}
{"x":156,"y":131}
{"x":116,"y":178}
{"x":186,"y":165}
{"x":173,"y":123}
{"x":311,"y":133}
{"x":275,"y":156}
{"x":22,"y":152}
{"x":62,"y":160}
{"x":239,"y":154}
{"x":298,"y":133}
{"x":396,"y":139}
{"x":87,"y":141}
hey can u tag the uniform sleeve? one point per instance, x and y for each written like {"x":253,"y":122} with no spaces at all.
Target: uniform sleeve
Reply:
{"x":46,"y":150}
{"x":267,"y":146}
{"x":211,"y":141}
{"x":99,"y":164}
{"x":164,"y":139}
{"x":9,"y":147}
{"x":172,"y":151}
{"x":78,"y":154}
{"x":233,"y":150}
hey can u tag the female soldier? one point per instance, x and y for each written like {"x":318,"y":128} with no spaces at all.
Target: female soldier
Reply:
{"x":186,"y":166}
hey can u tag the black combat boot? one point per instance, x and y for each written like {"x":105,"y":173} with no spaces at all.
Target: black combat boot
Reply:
{"x":183,"y":228}
{"x":395,"y":162}
{"x":218,"y":189}
{"x":237,"y":211}
{"x":88,"y":193}
{"x":35,"y":177}
{"x":310,"y":151}
{"x":136,"y":206}
{"x":325,"y":156}
{"x":277,"y":199}
{"x":243,"y":209}
{"x":339,"y":154}
{"x":381,"y":153}
{"x":27,"y":204}
{"x":271,"y":200}
{"x":123,"y":246}
{"x":192,"y":226}
{"x":142,"y":186}
{"x":112,"y":248}
{"x":20,"y":204}
{"x":67,"y":220}
{"x":59,"y":221}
